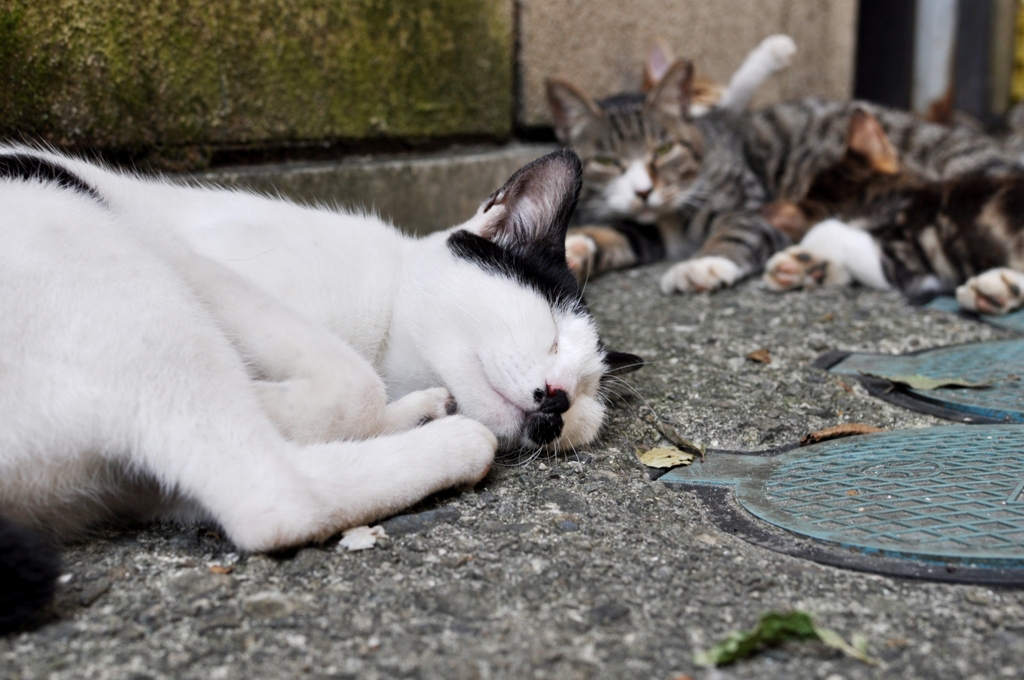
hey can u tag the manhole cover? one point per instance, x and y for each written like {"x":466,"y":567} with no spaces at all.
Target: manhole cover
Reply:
{"x":998,"y":365}
{"x":945,"y":503}
{"x":1013,"y":321}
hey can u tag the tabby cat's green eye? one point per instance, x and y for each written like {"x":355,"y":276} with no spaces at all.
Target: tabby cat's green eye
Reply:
{"x":607,"y":161}
{"x":664,"y":149}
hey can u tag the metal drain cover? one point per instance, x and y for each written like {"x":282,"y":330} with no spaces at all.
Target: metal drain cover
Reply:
{"x":998,"y":364}
{"x":1013,"y":321}
{"x":943,"y":503}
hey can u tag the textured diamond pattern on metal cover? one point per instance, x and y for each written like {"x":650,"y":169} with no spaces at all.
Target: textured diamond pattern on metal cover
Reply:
{"x":1000,"y":364}
{"x":933,"y":494}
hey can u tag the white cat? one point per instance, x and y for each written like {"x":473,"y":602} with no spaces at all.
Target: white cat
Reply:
{"x":184,"y":352}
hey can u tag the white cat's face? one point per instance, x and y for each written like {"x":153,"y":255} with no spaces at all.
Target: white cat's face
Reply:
{"x":502,"y":325}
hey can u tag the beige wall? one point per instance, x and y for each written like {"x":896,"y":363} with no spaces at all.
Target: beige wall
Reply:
{"x":600,"y":44}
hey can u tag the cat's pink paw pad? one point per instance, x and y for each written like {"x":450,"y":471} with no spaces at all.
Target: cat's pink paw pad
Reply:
{"x":580,"y":251}
{"x":795,"y":268}
{"x":700,"y":274}
{"x":997,"y":291}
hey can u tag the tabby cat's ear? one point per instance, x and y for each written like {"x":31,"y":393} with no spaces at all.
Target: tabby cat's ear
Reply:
{"x":535,"y":204}
{"x":659,"y":60}
{"x":671,"y":97}
{"x":867,"y":138}
{"x":572,"y":110}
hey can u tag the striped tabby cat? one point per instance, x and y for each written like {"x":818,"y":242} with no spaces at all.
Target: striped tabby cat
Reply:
{"x":918,"y":236}
{"x":661,"y":183}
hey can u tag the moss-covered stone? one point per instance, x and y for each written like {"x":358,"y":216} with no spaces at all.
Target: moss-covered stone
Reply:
{"x":128,"y":73}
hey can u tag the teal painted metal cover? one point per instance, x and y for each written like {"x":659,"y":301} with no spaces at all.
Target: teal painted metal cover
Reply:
{"x":999,"y":365}
{"x":951,"y":497}
{"x":1013,"y":321}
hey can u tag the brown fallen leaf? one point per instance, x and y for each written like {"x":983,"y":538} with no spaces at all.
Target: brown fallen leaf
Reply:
{"x":761,"y":356}
{"x":844,"y":430}
{"x":828,"y":317}
{"x":672,"y":435}
{"x":666,"y":457}
{"x":220,"y":569}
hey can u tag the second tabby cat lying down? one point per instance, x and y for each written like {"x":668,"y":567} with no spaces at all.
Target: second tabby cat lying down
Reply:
{"x":921,"y":237}
{"x":642,"y":153}
{"x":183,"y":352}
{"x":662,"y":184}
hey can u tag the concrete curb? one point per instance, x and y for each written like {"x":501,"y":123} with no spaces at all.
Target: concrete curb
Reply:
{"x":420,"y":193}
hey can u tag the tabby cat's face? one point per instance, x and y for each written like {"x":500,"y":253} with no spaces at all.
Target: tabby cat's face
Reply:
{"x":641,"y":153}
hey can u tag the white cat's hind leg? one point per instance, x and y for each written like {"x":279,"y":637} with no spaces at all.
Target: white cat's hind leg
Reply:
{"x":313,"y":386}
{"x":996,"y":291}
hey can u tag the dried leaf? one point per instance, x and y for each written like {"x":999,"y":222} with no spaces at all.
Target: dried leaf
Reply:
{"x":857,"y":650}
{"x":774,"y":629}
{"x":361,"y":538}
{"x":844,"y":430}
{"x":672,"y":435}
{"x":924,"y":382}
{"x":761,"y":356}
{"x":666,"y":457}
{"x":221,"y":569}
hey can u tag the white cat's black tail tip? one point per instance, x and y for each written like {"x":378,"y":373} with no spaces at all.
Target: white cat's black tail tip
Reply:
{"x":29,"y":568}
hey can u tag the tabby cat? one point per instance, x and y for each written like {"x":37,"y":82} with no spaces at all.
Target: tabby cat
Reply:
{"x":919,"y":236}
{"x":661,"y":183}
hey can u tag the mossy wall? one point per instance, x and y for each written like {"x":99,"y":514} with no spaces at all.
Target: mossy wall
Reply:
{"x":142,"y":73}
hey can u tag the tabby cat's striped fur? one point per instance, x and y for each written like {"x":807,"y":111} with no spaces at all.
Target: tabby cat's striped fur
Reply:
{"x":919,"y":236}
{"x":659,"y":183}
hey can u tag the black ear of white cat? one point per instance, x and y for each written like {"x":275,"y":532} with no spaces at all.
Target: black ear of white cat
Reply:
{"x":536,"y":203}
{"x":618,"y":363}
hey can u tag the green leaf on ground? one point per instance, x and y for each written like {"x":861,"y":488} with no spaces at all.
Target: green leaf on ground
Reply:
{"x":924,"y":382}
{"x":666,"y":457}
{"x":774,"y":629}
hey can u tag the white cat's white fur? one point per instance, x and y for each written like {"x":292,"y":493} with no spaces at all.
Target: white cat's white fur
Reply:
{"x":195,"y":352}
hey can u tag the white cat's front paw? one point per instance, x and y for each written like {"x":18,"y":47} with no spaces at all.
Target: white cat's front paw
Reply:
{"x":417,"y":408}
{"x":465,"y":446}
{"x":797,"y":267}
{"x":580,"y":251}
{"x":700,"y":274}
{"x":778,"y":50}
{"x":997,"y":291}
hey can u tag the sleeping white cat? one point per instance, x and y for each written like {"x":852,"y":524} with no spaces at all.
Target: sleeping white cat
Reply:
{"x":172,"y":351}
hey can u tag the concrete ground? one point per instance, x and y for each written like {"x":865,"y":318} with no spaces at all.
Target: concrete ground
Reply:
{"x":568,"y":568}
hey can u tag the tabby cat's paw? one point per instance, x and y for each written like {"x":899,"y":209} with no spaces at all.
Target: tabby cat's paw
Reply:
{"x":580,"y":252}
{"x":700,"y":274}
{"x":996,"y":291}
{"x":797,"y":267}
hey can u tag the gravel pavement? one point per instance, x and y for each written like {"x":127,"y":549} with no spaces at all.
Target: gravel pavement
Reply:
{"x":578,"y":567}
